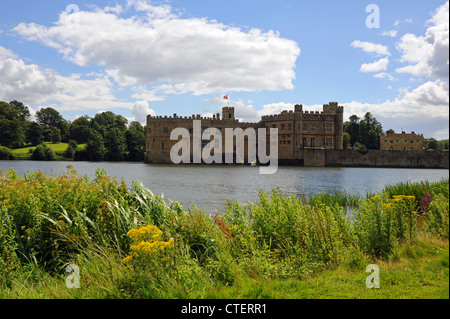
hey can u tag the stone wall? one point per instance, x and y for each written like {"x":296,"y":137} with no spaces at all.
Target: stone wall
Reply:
{"x":377,"y":158}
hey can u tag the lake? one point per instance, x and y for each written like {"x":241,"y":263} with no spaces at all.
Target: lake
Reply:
{"x":209,"y":186}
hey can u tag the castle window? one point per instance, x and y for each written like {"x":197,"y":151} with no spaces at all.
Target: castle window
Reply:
{"x":149,"y":131}
{"x":289,"y":127}
{"x":229,"y":116}
{"x":392,"y":141}
{"x":313,"y":127}
{"x":162,"y":146}
{"x":191,"y":130}
{"x":166,"y":130}
{"x":313,"y":141}
{"x":304,"y":141}
{"x":328,"y":127}
{"x":328,"y":141}
{"x":282,"y":127}
{"x":305,"y":127}
{"x":289,"y":142}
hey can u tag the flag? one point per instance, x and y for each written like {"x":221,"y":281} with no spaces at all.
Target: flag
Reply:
{"x":225,"y":97}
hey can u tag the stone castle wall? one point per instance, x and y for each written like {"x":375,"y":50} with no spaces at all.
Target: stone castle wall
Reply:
{"x":377,"y":158}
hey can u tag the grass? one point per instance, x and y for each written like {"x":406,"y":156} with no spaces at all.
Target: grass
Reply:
{"x":131,"y":243}
{"x":57,"y":147}
{"x":423,"y":274}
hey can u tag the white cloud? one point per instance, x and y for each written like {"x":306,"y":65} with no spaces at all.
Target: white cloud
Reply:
{"x":370,"y":47}
{"x":6,"y":53}
{"x":142,"y":93}
{"x":428,"y":54}
{"x":376,"y":66}
{"x":390,"y":33}
{"x":175,"y":54}
{"x":383,"y":75}
{"x":32,"y":84}
{"x":140,"y":110}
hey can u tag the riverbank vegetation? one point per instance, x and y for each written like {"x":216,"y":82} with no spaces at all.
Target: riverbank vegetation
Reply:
{"x":130,"y":243}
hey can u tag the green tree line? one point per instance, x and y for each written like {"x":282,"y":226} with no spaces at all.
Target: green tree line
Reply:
{"x":108,"y":137}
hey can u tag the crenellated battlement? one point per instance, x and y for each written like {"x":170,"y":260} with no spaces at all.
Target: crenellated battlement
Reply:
{"x":175,"y":118}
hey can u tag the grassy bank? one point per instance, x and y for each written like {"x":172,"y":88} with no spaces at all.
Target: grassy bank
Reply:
{"x":25,"y":153}
{"x":130,"y":243}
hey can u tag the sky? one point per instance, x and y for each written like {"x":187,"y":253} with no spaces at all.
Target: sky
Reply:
{"x":139,"y":57}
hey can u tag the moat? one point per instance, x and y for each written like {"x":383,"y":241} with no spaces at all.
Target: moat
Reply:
{"x":209,"y":186}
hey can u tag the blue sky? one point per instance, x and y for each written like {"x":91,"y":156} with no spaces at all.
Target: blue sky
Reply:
{"x":162,"y":57}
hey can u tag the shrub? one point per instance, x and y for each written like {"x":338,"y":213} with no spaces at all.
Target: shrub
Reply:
{"x":6,"y":153}
{"x":437,"y":219}
{"x":373,"y":226}
{"x":43,"y":153}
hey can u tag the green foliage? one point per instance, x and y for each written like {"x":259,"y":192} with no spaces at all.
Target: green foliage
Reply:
{"x":35,"y":134}
{"x":12,"y":126}
{"x":366,"y":132}
{"x":6,"y":153}
{"x":106,"y":134}
{"x":115,"y":144}
{"x":69,"y":153}
{"x":135,"y":139}
{"x":43,"y":153}
{"x":437,"y":219}
{"x":432,"y":144}
{"x":95,"y":147}
{"x":131,"y":243}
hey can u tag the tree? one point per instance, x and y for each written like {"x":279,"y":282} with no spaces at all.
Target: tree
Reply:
{"x":390,"y":131}
{"x":51,"y":117}
{"x":71,"y":149}
{"x":352,"y":128}
{"x":366,"y":131}
{"x":115,"y":145}
{"x":135,"y":139}
{"x":95,"y":147}
{"x":102,"y":122}
{"x":43,"y":153}
{"x":346,"y":140}
{"x":22,"y":109}
{"x":80,"y":133}
{"x":35,"y":134}
{"x":432,"y":144}
{"x":12,"y":126}
{"x":6,"y":153}
{"x":369,"y":131}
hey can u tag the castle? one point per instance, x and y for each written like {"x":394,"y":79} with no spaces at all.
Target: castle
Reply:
{"x":402,"y":142}
{"x":298,"y":131}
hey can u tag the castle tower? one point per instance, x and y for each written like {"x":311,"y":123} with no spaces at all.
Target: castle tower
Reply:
{"x":228,"y":113}
{"x":339,"y":127}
